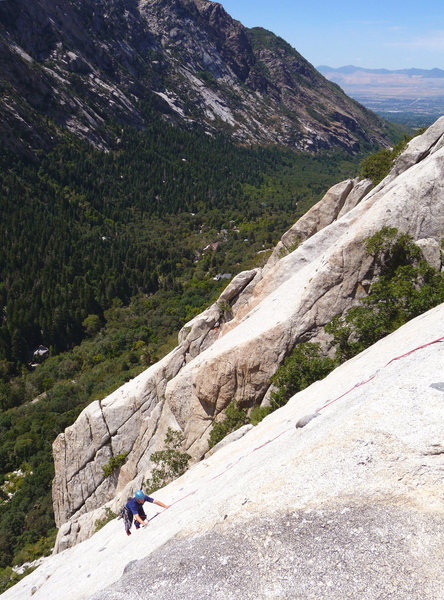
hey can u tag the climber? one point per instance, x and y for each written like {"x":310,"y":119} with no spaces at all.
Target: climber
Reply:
{"x":134,"y":509}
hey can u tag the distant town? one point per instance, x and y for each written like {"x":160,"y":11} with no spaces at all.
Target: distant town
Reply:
{"x":411,"y":96}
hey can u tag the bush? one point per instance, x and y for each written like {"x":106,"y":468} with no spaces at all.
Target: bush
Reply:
{"x":258,"y":413}
{"x":109,"y":516}
{"x":171,"y":462}
{"x":92,"y":325}
{"x":376,"y":166}
{"x":407,"y":287}
{"x":391,"y":250}
{"x":301,"y":368}
{"x":234,"y":418}
{"x":33,"y":551}
{"x":114,"y":463}
{"x":8,"y":578}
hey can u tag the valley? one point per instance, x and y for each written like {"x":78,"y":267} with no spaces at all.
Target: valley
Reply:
{"x":151,"y":152}
{"x":414,"y":97}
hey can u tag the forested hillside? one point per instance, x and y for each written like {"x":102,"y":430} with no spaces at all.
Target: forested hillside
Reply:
{"x":125,"y":210}
{"x":84,"y":64}
{"x":82,"y":227}
{"x":115,"y":251}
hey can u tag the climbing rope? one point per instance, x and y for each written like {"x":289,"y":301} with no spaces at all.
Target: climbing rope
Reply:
{"x":307,"y":419}
{"x":374,"y":375}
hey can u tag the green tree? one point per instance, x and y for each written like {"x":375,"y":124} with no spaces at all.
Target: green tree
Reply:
{"x":92,"y":325}
{"x":376,"y":166}
{"x":301,"y":368}
{"x":170,"y":462}
{"x":234,"y":417}
{"x":407,"y":287}
{"x":114,"y":463}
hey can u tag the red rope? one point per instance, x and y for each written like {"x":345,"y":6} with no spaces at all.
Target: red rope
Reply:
{"x":179,"y":500}
{"x":414,"y":350}
{"x":345,"y":393}
{"x":227,"y":469}
{"x":269,"y":441}
{"x":318,"y":410}
{"x":374,"y":375}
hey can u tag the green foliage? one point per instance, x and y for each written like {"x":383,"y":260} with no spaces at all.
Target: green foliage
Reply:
{"x":234,"y":417}
{"x":8,"y":577}
{"x":378,"y":165}
{"x":170,"y":462}
{"x":391,"y":249}
{"x":84,"y":228}
{"x":284,"y":251}
{"x":301,"y":368}
{"x":34,"y":550}
{"x":262,"y":38}
{"x":407,"y":287}
{"x":104,"y":260}
{"x":109,"y":516}
{"x":27,"y":516}
{"x":92,"y":324}
{"x":207,"y":77}
{"x":318,"y":116}
{"x":258,"y":413}
{"x":114,"y":463}
{"x":12,"y":482}
{"x":225,"y":309}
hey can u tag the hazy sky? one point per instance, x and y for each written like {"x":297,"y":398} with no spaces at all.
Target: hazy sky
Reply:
{"x":392,"y":34}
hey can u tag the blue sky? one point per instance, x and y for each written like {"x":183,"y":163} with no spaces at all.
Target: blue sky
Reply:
{"x":391,"y":34}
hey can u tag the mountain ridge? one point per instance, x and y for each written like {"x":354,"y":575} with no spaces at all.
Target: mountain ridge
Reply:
{"x":435,"y":72}
{"x":87,"y":63}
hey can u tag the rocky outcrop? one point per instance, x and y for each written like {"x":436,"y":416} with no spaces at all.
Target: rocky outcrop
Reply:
{"x":87,"y":64}
{"x":132,"y":420}
{"x":230,"y":351}
{"x":339,"y":200}
{"x":349,"y":506}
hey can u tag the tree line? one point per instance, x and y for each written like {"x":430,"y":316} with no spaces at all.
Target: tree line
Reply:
{"x":104,"y":260}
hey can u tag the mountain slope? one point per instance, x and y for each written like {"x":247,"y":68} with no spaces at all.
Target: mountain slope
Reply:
{"x":230,"y":352}
{"x":82,"y":65}
{"x":348,"y":506}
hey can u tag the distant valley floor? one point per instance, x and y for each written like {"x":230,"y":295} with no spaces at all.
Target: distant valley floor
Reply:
{"x":411,"y":96}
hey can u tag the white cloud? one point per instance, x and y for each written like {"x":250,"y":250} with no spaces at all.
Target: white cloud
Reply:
{"x":365,"y":23}
{"x":432,"y":41}
{"x":396,"y":28}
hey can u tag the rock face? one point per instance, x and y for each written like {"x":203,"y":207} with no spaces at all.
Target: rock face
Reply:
{"x":349,"y":506}
{"x":230,"y":351}
{"x":134,"y":420}
{"x":339,"y":200}
{"x":85,"y":64}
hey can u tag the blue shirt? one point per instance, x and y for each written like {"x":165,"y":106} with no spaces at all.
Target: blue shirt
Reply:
{"x":135,"y":506}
